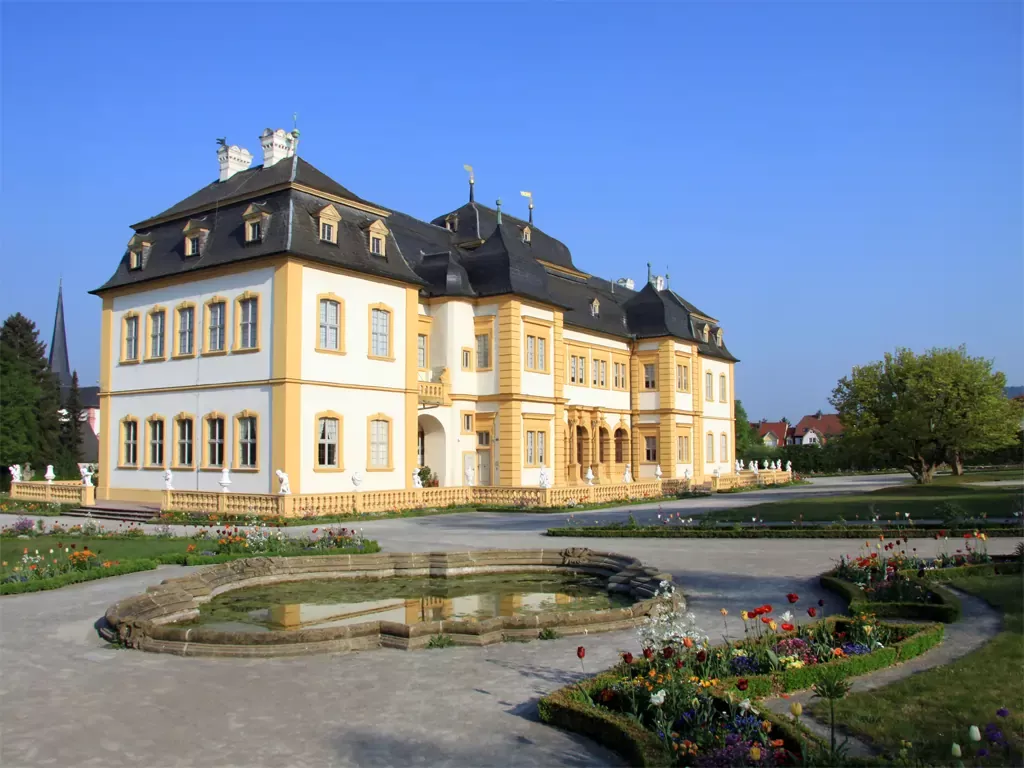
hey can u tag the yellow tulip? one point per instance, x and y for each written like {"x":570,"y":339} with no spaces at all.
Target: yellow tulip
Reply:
{"x":755,"y":753}
{"x":744,"y":615}
{"x":772,"y":625}
{"x":796,"y":709}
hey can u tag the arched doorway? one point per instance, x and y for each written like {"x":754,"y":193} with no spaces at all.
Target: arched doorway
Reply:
{"x":430,"y":447}
{"x":583,"y":457}
{"x":604,"y":452}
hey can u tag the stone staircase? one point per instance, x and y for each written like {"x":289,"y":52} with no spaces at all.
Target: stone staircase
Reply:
{"x":118,"y":510}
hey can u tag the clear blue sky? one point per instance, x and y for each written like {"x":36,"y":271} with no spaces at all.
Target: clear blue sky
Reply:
{"x":830,"y":180}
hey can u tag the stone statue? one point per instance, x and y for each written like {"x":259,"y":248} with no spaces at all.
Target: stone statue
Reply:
{"x":764,"y":463}
{"x":657,"y":471}
{"x":686,"y":474}
{"x":752,"y":465}
{"x":286,"y":486}
{"x":789,"y":466}
{"x":589,"y":476}
{"x":168,"y":480}
{"x":628,"y":476}
{"x":357,"y":479}
{"x":225,"y":480}
{"x":470,"y":474}
{"x":417,"y":481}
{"x":778,"y":464}
{"x":85,"y":470}
{"x":545,"y":477}
{"x":716,"y":472}
{"x":15,"y":470}
{"x":49,"y":473}
{"x":756,"y":473}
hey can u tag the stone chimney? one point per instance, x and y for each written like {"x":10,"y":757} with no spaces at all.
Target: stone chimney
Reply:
{"x":232,"y":160}
{"x":277,"y":145}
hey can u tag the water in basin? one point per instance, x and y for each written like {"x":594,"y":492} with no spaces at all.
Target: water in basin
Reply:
{"x":335,"y":602}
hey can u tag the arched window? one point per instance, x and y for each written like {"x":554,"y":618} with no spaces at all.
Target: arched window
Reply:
{"x":621,"y":445}
{"x":723,"y":448}
{"x":709,"y":445}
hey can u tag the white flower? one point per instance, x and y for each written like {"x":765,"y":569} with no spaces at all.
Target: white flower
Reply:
{"x":657,"y":699}
{"x":745,"y":705}
{"x":787,"y":617}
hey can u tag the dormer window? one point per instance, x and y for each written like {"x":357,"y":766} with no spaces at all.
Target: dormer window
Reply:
{"x":195,"y":238}
{"x":718,"y":337}
{"x":256,"y":218}
{"x":377,"y":237}
{"x":595,"y":308}
{"x":327,"y":223}
{"x":451,"y":222}
{"x":527,"y":234}
{"x":135,"y":259}
{"x":705,"y":333}
{"x":137,"y":250}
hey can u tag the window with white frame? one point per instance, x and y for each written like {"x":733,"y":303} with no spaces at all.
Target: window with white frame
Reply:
{"x":131,"y":338}
{"x":248,"y":326}
{"x":531,"y":352}
{"x":255,"y":232}
{"x":421,"y":350}
{"x":379,"y":448}
{"x":135,"y":260}
{"x":650,"y":449}
{"x":721,"y":388}
{"x":709,"y":386}
{"x":594,"y":366}
{"x":156,"y":442}
{"x":530,"y":437}
{"x":603,"y":373}
{"x":380,"y":341}
{"x":327,"y":443}
{"x":542,"y":353}
{"x":723,"y":448}
{"x":215,"y":442}
{"x":185,"y":442}
{"x":649,"y":379}
{"x":327,"y":232}
{"x":216,"y":330}
{"x":709,"y":446}
{"x":542,"y":439}
{"x":193,"y":245}
{"x":376,"y":245}
{"x":483,"y":350}
{"x":186,"y":330}
{"x":330,"y":336}
{"x":467,"y":359}
{"x":131,"y":443}
{"x":467,"y":423}
{"x":156,"y":334}
{"x":247,"y":442}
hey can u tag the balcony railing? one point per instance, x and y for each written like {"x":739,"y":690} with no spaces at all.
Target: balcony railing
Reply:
{"x":435,"y":392}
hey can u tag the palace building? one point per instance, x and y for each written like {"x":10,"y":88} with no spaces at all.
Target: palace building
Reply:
{"x":275,"y":320}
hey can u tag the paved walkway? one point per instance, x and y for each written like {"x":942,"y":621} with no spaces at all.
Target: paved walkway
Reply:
{"x":66,"y":699}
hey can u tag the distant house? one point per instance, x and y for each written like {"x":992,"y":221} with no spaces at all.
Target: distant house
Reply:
{"x":816,"y":429}
{"x":772,"y":433}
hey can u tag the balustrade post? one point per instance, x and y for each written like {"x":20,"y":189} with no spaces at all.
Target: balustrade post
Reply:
{"x":222,"y":503}
{"x":357,"y":504}
{"x":165,"y":500}
{"x":47,"y":493}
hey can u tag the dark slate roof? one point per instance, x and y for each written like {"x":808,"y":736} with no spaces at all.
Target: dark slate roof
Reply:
{"x":89,"y":397}
{"x":477,"y":222}
{"x":653,"y":313}
{"x":505,"y":264}
{"x":252,"y":181}
{"x":58,"y":358}
{"x":578,"y":294}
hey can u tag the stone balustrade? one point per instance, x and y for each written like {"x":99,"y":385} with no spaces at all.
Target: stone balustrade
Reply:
{"x":57,"y":492}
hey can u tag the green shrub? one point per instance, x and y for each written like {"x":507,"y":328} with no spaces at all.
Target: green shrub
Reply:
{"x":441,"y":641}
{"x":75,"y":577}
{"x":945,"y":608}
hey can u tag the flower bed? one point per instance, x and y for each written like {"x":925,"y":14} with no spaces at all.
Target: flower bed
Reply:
{"x":807,"y":531}
{"x":685,"y":702}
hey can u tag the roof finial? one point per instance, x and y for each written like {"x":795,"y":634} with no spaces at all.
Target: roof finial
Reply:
{"x":497,"y":205}
{"x":667,"y":276}
{"x":648,"y":271}
{"x":295,"y":134}
{"x":472,"y":179}
{"x":529,"y":195}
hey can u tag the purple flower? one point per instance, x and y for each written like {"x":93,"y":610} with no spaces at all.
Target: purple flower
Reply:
{"x":982,"y":752}
{"x":1003,"y":712}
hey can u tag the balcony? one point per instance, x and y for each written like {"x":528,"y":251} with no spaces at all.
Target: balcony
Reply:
{"x":434,"y":390}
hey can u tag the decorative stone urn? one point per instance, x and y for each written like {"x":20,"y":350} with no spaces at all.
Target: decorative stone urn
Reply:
{"x":225,"y":480}
{"x":49,"y":473}
{"x":590,"y":476}
{"x":657,"y":471}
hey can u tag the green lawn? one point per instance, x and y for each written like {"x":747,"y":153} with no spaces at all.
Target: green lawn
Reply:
{"x":921,"y":501}
{"x":933,"y":709}
{"x":107,"y":549}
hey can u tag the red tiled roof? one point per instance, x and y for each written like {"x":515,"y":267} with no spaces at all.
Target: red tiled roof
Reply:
{"x":825,"y":424}
{"x":777,"y":428}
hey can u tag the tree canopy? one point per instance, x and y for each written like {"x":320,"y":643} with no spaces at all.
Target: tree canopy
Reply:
{"x":920,"y":411}
{"x":746,"y":436}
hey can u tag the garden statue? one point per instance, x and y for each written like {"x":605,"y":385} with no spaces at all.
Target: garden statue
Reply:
{"x":225,"y":480}
{"x":470,"y":474}
{"x":357,"y":479}
{"x":657,"y":471}
{"x":15,"y":470}
{"x":756,"y":473}
{"x":589,"y":476}
{"x":789,"y":466}
{"x":764,"y":463}
{"x":417,"y":481}
{"x":686,"y":474}
{"x":628,"y":476}
{"x":49,"y":473}
{"x":85,"y":470}
{"x":716,"y":473}
{"x":168,"y":480}
{"x":752,"y":465}
{"x":545,"y":477}
{"x":286,"y":486}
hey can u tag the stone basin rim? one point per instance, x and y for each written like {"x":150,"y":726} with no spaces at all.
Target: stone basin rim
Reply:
{"x":145,"y":621}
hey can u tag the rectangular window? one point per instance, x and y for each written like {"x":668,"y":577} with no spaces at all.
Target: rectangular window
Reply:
{"x":327,"y":443}
{"x":156,"y":443}
{"x":572,"y":369}
{"x":327,"y":232}
{"x":421,"y":350}
{"x":131,"y":338}
{"x":156,"y":334}
{"x":651,"y":448}
{"x":184,"y":442}
{"x":483,"y":439}
{"x":615,"y":376}
{"x":467,"y":359}
{"x":709,"y":386}
{"x":721,"y":389}
{"x":215,"y":442}
{"x":686,"y":378}
{"x":131,"y":443}
{"x":330,"y":336}
{"x":604,"y":373}
{"x":217,"y":312}
{"x":679,"y":378}
{"x":375,"y":245}
{"x":249,"y":324}
{"x":542,"y":439}
{"x":593,"y":371}
{"x":483,"y":351}
{"x":710,"y":447}
{"x":193,"y":245}
{"x":723,"y":448}
{"x":679,"y":448}
{"x":247,"y":442}
{"x":467,"y":423}
{"x":649,"y":382}
{"x":531,"y":352}
{"x":134,"y":260}
{"x":542,"y":354}
{"x":378,"y":443}
{"x":380,"y":341}
{"x":254,"y":231}
{"x":530,"y":437}
{"x":186,"y":330}
{"x":686,"y":447}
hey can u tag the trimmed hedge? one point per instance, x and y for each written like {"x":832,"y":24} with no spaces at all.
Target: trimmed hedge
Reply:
{"x":805,"y":532}
{"x":572,"y":709}
{"x":947,"y":608}
{"x":997,"y":568}
{"x":76,"y":577}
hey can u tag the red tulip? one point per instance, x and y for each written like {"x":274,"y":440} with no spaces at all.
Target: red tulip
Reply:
{"x":792,"y":597}
{"x":628,"y":658}
{"x":788,"y":627}
{"x":812,"y":612}
{"x":581,"y":652}
{"x":667,"y":652}
{"x":742,"y":683}
{"x":765,"y":619}
{"x":702,"y":656}
{"x":766,"y":608}
{"x":648,"y":654}
{"x":679,"y":663}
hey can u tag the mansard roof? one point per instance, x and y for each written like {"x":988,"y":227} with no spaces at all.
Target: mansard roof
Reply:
{"x":505,"y":264}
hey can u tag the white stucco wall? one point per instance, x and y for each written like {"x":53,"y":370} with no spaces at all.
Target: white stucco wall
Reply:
{"x":716,"y":407}
{"x":718,"y":426}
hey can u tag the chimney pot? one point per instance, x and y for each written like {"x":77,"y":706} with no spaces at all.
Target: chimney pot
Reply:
{"x":232,"y":160}
{"x":277,"y":145}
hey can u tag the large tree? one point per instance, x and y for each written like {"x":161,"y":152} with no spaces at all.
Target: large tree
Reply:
{"x":920,"y":411}
{"x":70,"y":432}
{"x":746,"y":436}
{"x":29,"y":397}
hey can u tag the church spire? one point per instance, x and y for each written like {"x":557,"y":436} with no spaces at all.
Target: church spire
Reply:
{"x":58,"y":359}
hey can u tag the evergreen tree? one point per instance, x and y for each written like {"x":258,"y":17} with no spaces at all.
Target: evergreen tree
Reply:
{"x":29,"y":398}
{"x":746,"y":436}
{"x":70,"y":433}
